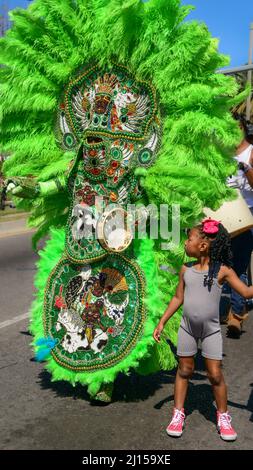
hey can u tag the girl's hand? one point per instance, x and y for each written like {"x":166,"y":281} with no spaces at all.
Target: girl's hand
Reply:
{"x":157,"y":332}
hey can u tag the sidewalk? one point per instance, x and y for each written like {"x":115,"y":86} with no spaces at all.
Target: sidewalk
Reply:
{"x":16,"y":224}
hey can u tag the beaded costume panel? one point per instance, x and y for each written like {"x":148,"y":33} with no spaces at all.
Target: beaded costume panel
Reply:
{"x":94,"y":300}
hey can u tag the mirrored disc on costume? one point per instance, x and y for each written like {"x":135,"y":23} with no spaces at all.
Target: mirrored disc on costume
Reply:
{"x":113,"y":231}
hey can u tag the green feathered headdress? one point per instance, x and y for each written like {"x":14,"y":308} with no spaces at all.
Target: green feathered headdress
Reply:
{"x":53,"y":39}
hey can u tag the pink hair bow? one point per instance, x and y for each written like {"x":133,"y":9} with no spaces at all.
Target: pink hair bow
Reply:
{"x":210,"y":226}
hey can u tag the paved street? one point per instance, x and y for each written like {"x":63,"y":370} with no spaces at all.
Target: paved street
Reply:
{"x":38,"y":414}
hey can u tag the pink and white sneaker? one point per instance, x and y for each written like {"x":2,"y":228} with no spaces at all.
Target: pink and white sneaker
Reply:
{"x":176,"y":426}
{"x":224,"y":428}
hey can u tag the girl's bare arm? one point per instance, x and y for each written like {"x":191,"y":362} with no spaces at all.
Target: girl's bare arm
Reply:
{"x":175,"y":303}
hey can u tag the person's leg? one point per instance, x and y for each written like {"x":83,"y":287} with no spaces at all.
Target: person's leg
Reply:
{"x":219,"y":387}
{"x":186,"y":350}
{"x":184,"y":373}
{"x":105,"y":393}
{"x":187,"y":347}
{"x":238,"y":311}
{"x":212,"y":352}
{"x":238,"y":302}
{"x":215,"y":375}
{"x":242,"y":246}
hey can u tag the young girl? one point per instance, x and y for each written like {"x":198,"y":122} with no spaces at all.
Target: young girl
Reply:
{"x":199,"y":290}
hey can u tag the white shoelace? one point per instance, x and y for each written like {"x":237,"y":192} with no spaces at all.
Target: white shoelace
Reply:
{"x":225,"y":420}
{"x":177,"y":417}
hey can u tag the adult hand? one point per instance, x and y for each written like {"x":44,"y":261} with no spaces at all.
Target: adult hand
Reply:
{"x":26,"y":188}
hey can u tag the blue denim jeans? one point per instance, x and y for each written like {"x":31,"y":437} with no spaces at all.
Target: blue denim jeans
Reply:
{"x":242,"y":247}
{"x":237,"y":301}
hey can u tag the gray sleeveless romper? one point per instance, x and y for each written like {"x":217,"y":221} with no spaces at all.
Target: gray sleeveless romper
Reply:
{"x":200,"y":320}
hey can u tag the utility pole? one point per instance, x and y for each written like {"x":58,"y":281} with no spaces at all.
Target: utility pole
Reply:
{"x":248,"y":107}
{"x":1,"y":25}
{"x":4,"y":21}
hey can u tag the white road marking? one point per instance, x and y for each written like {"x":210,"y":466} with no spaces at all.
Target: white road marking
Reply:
{"x":6,"y":323}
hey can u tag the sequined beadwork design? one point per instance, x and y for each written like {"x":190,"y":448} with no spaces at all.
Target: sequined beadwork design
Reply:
{"x":81,"y":244}
{"x":96,"y":313}
{"x":110,"y":102}
{"x":94,"y":300}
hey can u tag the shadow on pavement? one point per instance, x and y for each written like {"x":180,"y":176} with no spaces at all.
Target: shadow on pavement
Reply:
{"x":200,"y":398}
{"x":62,"y":388}
{"x":248,"y":407}
{"x":135,"y":387}
{"x":26,"y":333}
{"x":130,"y":388}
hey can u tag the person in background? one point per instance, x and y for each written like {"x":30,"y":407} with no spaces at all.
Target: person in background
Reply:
{"x":242,"y":244}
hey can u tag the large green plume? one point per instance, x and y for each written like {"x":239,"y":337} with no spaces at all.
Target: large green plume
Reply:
{"x":52,"y":39}
{"x":47,"y":44}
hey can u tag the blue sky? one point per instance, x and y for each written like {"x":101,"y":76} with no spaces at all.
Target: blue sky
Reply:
{"x":227,"y":20}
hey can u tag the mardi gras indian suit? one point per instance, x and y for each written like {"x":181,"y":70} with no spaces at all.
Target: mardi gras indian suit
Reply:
{"x":117,"y":101}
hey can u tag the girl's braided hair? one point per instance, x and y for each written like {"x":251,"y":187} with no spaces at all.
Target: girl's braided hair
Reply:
{"x":219,"y":251}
